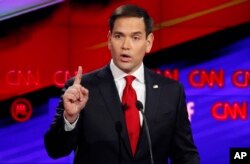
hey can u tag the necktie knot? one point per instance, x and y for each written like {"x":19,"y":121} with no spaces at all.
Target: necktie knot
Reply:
{"x":129,"y":79}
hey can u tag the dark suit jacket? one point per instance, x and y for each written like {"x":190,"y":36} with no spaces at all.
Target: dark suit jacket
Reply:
{"x":95,"y":139}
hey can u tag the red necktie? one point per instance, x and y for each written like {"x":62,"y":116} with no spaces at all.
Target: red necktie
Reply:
{"x":131,"y":113}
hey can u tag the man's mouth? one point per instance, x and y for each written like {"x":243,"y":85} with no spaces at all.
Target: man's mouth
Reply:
{"x":125,"y":58}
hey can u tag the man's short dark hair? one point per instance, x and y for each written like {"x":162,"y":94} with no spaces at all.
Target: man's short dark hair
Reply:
{"x":132,"y":11}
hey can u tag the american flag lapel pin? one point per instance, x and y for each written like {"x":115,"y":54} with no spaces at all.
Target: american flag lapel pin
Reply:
{"x":155,"y":86}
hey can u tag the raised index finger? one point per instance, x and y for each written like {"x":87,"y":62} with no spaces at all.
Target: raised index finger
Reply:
{"x":78,"y":76}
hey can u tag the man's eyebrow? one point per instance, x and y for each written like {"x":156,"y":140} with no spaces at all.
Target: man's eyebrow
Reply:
{"x":137,"y":33}
{"x":133,"y":33}
{"x":118,"y":32}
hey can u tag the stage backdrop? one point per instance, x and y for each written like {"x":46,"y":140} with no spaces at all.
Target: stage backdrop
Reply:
{"x":202,"y":44}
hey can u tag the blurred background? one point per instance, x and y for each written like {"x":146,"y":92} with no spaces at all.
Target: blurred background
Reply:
{"x":203,"y":44}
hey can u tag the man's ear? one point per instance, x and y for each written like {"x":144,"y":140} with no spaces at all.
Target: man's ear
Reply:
{"x":150,"y":40}
{"x":109,"y":39}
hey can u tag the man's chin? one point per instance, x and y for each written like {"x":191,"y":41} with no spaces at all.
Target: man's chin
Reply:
{"x":125,"y":68}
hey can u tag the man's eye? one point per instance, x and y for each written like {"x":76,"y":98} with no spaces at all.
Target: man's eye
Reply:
{"x":136,"y":38}
{"x":117,"y":36}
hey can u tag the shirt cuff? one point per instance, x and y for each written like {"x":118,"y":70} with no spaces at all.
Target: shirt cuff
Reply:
{"x":68,"y":126}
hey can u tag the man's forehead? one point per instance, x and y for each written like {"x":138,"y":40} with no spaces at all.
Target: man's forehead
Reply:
{"x":134,"y":19}
{"x":129,"y":24}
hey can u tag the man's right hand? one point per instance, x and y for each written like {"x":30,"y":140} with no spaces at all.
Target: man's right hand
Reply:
{"x":75,"y":98}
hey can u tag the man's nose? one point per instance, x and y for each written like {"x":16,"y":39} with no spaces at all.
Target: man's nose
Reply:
{"x":126,"y":44}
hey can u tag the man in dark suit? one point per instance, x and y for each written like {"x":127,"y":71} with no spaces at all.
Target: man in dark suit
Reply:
{"x":95,"y":117}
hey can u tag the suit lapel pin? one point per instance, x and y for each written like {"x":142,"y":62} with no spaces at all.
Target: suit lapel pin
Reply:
{"x":155,"y":86}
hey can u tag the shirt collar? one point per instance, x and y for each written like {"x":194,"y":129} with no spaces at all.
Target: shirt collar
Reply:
{"x":118,"y":73}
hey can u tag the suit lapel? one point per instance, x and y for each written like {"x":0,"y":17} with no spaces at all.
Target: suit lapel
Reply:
{"x":110,"y":95}
{"x":152,"y":96}
{"x":152,"y":100}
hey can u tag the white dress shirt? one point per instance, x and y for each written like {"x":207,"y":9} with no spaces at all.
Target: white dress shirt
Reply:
{"x":138,"y":84}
